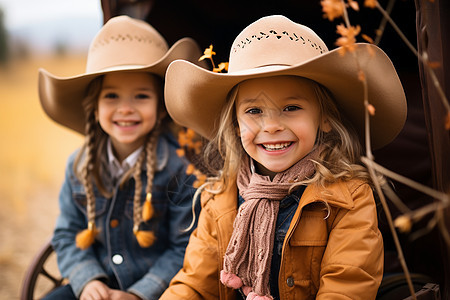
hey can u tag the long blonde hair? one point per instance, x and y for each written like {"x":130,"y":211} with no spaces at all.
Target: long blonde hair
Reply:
{"x":88,"y":162}
{"x":339,"y":149}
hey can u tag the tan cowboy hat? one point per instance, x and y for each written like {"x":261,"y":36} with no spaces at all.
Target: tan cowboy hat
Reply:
{"x":122,"y":44}
{"x":275,"y":45}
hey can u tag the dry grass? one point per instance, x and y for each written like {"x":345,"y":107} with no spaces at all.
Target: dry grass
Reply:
{"x":33,"y":153}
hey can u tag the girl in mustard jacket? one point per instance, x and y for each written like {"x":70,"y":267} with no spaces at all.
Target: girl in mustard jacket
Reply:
{"x":291,"y":213}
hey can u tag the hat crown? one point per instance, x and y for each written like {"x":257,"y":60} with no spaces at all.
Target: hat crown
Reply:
{"x":274,"y":41}
{"x":124,"y":42}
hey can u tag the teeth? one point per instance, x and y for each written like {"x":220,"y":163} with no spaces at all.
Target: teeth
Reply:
{"x":274,"y":147}
{"x":126,"y":123}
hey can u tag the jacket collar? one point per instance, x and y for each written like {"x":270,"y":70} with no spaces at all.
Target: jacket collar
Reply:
{"x":116,"y":168}
{"x":162,"y":158}
{"x":337,"y":194}
{"x":162,"y":152}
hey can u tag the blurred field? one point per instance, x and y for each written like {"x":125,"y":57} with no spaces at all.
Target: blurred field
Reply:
{"x":33,"y":153}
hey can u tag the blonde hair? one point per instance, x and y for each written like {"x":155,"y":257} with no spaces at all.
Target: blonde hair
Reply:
{"x":339,"y":149}
{"x":88,"y":162}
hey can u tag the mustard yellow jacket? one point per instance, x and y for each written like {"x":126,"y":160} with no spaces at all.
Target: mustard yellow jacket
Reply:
{"x":339,"y":256}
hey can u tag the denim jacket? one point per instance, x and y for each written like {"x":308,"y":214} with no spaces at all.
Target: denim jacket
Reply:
{"x":116,"y":257}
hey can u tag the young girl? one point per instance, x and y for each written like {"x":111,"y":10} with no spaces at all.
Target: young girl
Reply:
{"x":129,"y":157}
{"x":291,"y":215}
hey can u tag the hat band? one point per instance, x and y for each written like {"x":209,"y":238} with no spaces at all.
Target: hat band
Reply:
{"x":121,"y":68}
{"x":261,"y":69}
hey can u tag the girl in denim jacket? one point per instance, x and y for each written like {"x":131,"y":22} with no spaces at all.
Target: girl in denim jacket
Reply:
{"x":126,"y":198}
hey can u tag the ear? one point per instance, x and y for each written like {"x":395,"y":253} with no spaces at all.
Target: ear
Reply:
{"x":325,"y":126}
{"x":96,"y":115}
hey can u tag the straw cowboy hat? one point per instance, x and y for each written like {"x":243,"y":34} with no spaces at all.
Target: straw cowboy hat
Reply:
{"x":122,"y":44}
{"x":275,"y":45}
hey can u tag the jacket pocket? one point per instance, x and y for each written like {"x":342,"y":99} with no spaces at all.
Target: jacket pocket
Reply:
{"x":308,"y":243}
{"x":159,"y":205}
{"x":311,"y":229}
{"x":100,"y":203}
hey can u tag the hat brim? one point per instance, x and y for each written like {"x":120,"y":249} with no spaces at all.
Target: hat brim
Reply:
{"x":61,"y":97}
{"x":195,"y":96}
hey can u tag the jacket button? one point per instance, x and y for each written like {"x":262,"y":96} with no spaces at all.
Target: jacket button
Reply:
{"x":114,"y":223}
{"x":117,"y":259}
{"x":290,"y":281}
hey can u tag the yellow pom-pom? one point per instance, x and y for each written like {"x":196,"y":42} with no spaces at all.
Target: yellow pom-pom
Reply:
{"x":147,"y":211}
{"x":145,"y":238}
{"x":85,"y":238}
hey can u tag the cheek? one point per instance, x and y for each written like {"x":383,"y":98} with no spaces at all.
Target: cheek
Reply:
{"x":153,"y":122}
{"x":103,"y":122}
{"x":312,"y":134}
{"x":306,"y":131}
{"x":101,"y":115}
{"x":151,"y":116}
{"x":103,"y":109}
{"x":248,"y":127}
{"x":247,"y":138}
{"x":155,"y":109}
{"x":148,"y":110}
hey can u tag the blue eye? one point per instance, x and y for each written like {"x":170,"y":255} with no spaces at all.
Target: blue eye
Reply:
{"x":253,"y":111}
{"x":292,"y":108}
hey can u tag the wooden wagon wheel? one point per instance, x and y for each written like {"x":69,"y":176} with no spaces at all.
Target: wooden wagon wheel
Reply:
{"x":39,"y":268}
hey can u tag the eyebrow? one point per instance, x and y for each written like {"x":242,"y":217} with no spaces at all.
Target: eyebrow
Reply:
{"x":110,"y":87}
{"x":295,"y":97}
{"x":247,"y":100}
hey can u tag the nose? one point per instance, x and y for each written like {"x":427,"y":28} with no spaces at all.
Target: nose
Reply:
{"x":126,"y":106}
{"x":272,"y":122}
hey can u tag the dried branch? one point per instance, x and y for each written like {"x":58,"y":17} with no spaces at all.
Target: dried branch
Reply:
{"x":382,"y":26}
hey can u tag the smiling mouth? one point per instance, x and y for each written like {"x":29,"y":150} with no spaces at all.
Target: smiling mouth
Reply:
{"x":126,"y":123}
{"x":276,"y":147}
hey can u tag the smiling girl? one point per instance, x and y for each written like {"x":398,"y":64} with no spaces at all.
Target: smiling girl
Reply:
{"x":291,"y":215}
{"x":126,"y":198}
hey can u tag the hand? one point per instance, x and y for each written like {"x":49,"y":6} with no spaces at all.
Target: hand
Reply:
{"x":121,"y":295}
{"x":95,"y":290}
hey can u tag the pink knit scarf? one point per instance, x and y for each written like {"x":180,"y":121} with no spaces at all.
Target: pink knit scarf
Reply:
{"x":249,"y":253}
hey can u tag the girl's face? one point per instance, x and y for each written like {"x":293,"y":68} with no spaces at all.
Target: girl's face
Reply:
{"x":278,"y":120}
{"x":127,"y":109}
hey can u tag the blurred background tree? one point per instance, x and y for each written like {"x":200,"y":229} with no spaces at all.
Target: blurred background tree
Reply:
{"x":4,"y":50}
